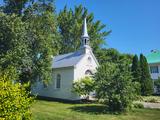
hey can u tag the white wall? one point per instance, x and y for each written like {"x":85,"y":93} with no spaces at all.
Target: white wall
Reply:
{"x":83,"y":65}
{"x":67,"y":76}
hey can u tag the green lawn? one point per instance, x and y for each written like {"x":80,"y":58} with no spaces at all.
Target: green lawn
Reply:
{"x":46,"y":110}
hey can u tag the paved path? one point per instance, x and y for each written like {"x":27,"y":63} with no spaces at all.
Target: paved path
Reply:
{"x":151,"y":105}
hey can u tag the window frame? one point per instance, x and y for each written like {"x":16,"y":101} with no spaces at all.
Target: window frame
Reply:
{"x":58,"y":81}
{"x":88,"y":71}
{"x":154,"y":69}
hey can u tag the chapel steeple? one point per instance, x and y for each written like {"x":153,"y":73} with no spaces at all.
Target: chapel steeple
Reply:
{"x":85,"y":36}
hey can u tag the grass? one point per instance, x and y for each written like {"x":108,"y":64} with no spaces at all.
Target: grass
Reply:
{"x":47,"y":110}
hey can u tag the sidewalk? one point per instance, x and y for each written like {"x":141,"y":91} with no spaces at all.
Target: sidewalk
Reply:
{"x":151,"y":105}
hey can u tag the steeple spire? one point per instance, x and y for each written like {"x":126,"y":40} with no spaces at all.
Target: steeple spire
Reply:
{"x":85,"y":33}
{"x":85,"y":36}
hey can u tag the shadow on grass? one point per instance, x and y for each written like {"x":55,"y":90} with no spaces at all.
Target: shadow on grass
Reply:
{"x":92,"y":109}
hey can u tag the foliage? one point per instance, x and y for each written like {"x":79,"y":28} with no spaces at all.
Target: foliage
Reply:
{"x":146,"y":81}
{"x":138,"y":105}
{"x":157,"y":84}
{"x":14,"y":48}
{"x":43,"y":38}
{"x":136,"y":73}
{"x":84,"y":86}
{"x":15,"y":101}
{"x":29,"y":41}
{"x":114,"y":85}
{"x":136,"y":69}
{"x":107,"y":55}
{"x":153,"y":99}
{"x":112,"y":55}
{"x":14,"y":6}
{"x":70,"y":27}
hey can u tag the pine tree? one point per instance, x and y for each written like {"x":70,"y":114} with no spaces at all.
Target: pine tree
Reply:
{"x":135,"y":69}
{"x":146,"y":81}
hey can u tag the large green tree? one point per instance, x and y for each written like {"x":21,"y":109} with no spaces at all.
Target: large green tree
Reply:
{"x":70,"y":27}
{"x":14,"y":49}
{"x":146,"y":81}
{"x":29,"y":41}
{"x":43,"y":37}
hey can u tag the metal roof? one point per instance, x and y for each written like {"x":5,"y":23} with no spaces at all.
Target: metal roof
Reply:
{"x":153,"y":57}
{"x":67,"y":60}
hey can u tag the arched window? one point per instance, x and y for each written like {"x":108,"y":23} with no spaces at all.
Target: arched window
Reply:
{"x":88,"y":73}
{"x":58,"y":81}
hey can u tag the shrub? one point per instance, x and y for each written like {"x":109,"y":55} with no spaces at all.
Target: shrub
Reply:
{"x":138,"y":105}
{"x":152,"y":99}
{"x":15,"y":101}
{"x":114,"y":85}
{"x":84,"y":87}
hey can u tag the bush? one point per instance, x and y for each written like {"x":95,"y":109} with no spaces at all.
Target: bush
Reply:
{"x":15,"y":101}
{"x":114,"y":85}
{"x":84,"y":87}
{"x":138,"y":105}
{"x":152,"y":99}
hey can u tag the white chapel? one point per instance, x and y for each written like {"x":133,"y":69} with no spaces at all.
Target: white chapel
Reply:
{"x":68,"y":68}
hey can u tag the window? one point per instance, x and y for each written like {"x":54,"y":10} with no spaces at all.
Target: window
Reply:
{"x":58,"y":81}
{"x":154,"y":69}
{"x":85,"y":41}
{"x":88,"y":73}
{"x":89,"y":59}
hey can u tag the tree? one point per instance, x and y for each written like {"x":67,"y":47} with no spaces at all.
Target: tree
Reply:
{"x":14,"y":49}
{"x":43,"y":38}
{"x":136,"y":69}
{"x":136,"y":73}
{"x":84,"y":87}
{"x":14,"y":6}
{"x":112,"y":55}
{"x":70,"y":27}
{"x":14,"y":99}
{"x":30,"y":41}
{"x":114,"y":85}
{"x":107,"y":55}
{"x":146,"y":81}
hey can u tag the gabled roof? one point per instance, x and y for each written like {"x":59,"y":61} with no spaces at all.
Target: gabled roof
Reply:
{"x":153,"y":57}
{"x":67,"y":60}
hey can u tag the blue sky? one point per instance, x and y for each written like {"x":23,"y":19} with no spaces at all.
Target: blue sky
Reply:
{"x":135,"y":24}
